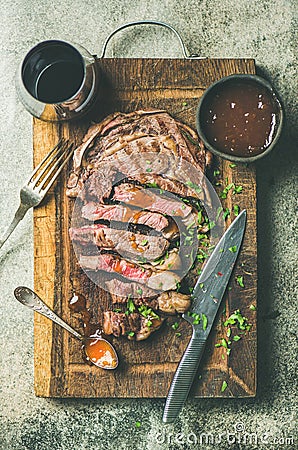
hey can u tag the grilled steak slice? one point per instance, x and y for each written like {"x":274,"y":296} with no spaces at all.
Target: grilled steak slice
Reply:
{"x":131,"y":271}
{"x":146,"y":198}
{"x":121,"y":135}
{"x":134,"y":326}
{"x":96,"y":211}
{"x":120,"y":290}
{"x":169,"y":302}
{"x":124,"y":242}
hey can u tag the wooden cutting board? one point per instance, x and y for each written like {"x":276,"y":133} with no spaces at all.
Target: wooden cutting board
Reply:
{"x":147,"y":367}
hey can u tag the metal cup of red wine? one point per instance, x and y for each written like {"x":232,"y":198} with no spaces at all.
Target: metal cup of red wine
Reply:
{"x":240,"y":118}
{"x":57,"y":81}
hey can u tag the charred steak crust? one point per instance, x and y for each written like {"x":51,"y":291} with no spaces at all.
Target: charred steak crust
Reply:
{"x":122,"y":135}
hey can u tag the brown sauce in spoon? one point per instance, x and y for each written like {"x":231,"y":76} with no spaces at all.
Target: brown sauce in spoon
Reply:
{"x":97,"y":350}
{"x":240,"y":118}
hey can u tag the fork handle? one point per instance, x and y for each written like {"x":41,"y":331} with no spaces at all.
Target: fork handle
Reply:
{"x":21,"y":211}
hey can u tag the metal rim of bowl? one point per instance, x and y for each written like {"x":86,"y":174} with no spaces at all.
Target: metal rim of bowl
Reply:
{"x":244,"y":159}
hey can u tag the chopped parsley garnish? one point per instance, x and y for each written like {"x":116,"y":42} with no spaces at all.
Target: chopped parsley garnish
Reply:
{"x":148,"y":313}
{"x":130,"y":305}
{"x":175,"y":325}
{"x":196,"y":318}
{"x":236,"y":209}
{"x":137,"y":424}
{"x":224,"y":343}
{"x":224,"y":386}
{"x":236,"y":338}
{"x":144,"y":242}
{"x":130,"y":333}
{"x":178,"y":334}
{"x":139,"y":291}
{"x":226,"y":213}
{"x":237,"y":319}
{"x":240,"y":281}
{"x":194,"y":186}
{"x":252,"y":308}
{"x":233,"y":249}
{"x":232,"y":165}
{"x":148,"y":169}
{"x":200,"y":217}
{"x":216,"y":173}
{"x":225,"y":191}
{"x":204,"y":321}
{"x":152,"y":185}
{"x":237,"y":189}
{"x":184,"y":103}
{"x":159,"y":260}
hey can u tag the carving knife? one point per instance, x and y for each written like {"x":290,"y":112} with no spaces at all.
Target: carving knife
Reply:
{"x":206,"y":298}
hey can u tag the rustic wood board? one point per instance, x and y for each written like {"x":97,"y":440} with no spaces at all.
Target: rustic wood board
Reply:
{"x":146,"y":368}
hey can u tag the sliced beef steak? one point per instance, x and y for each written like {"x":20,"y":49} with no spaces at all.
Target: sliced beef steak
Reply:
{"x":124,"y":135}
{"x":122,"y":290}
{"x":120,"y":213}
{"x":152,"y":149}
{"x":146,"y":198}
{"x":124,"y":242}
{"x":134,"y":326}
{"x":170,"y":302}
{"x":162,"y":281}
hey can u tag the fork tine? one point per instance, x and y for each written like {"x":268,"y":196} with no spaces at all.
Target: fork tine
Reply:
{"x":45,"y":187}
{"x":45,"y":165}
{"x":57,"y":147}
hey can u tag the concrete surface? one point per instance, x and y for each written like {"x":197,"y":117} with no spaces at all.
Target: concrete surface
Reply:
{"x":262,"y":29}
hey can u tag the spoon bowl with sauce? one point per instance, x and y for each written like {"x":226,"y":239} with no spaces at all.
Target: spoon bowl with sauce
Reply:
{"x":240,"y":118}
{"x":98,"y":350}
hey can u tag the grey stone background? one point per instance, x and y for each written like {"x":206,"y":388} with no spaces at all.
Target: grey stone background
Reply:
{"x":262,"y":29}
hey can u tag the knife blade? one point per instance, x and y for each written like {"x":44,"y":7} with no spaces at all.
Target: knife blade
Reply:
{"x":206,"y":298}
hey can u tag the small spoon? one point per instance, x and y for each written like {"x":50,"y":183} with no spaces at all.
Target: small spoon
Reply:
{"x":98,"y":350}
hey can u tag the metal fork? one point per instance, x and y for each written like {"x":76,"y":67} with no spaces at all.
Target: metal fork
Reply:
{"x":40,"y":181}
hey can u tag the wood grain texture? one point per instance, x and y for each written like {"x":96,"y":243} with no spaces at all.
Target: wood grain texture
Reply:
{"x":146,"y":368}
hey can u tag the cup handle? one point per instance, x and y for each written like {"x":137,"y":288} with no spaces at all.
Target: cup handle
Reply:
{"x":148,"y":22}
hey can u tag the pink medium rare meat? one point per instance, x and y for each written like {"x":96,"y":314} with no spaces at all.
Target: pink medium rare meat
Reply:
{"x":126,"y":243}
{"x":138,"y":196}
{"x":162,"y":281}
{"x":120,"y":213}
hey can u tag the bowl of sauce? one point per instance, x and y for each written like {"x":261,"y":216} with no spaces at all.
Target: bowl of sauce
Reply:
{"x":240,"y":118}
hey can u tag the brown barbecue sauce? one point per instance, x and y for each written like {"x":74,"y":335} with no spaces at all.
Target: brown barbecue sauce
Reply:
{"x":240,"y":118}
{"x":96,"y":349}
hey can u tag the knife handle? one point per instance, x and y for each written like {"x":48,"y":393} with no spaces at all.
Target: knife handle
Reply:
{"x":183,"y":378}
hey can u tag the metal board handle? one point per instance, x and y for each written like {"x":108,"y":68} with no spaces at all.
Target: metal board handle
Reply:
{"x":146,"y":22}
